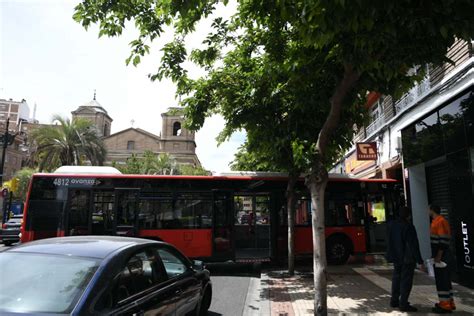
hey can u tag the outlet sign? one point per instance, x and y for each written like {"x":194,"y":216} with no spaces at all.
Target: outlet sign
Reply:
{"x":466,"y":249}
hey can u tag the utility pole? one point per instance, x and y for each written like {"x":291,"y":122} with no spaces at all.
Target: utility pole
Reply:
{"x":5,"y":140}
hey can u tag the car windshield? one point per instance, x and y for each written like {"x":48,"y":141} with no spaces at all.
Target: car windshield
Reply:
{"x":32,"y":283}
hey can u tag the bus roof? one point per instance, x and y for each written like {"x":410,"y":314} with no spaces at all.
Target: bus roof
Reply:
{"x":244,"y":175}
{"x":87,"y":170}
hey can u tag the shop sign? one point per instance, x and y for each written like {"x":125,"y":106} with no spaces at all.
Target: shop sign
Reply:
{"x":467,"y":256}
{"x":366,"y":151}
{"x":354,"y":166}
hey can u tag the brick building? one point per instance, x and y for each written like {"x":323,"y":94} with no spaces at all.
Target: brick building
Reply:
{"x":174,"y":140}
{"x":95,"y":113}
{"x":18,"y":113}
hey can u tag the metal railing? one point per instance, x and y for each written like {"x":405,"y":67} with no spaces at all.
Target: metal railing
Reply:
{"x":418,"y":91}
{"x":375,"y":125}
{"x":459,"y":52}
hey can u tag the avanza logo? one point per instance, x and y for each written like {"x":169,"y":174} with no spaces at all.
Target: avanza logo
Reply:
{"x":465,"y":239}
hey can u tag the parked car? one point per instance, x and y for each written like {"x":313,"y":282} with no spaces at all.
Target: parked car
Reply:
{"x":10,"y":232}
{"x":106,"y":275}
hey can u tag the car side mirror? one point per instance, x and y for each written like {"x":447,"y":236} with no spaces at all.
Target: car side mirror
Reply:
{"x":198,"y":265}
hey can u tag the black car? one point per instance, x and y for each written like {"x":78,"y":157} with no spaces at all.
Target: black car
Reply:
{"x":99,"y":275}
{"x":10,"y":232}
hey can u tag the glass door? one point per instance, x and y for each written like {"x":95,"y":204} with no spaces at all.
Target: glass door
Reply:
{"x":126,"y":212}
{"x":102,"y":212}
{"x":78,"y":217}
{"x":252,"y":226}
{"x":222,"y":226}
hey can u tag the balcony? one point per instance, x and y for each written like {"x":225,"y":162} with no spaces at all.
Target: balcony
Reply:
{"x":375,"y":125}
{"x":459,"y":53}
{"x":417,"y":92}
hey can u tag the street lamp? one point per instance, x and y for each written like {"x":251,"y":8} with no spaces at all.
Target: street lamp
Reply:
{"x":6,"y":139}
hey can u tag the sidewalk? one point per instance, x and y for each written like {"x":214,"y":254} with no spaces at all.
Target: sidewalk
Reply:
{"x":352,"y":290}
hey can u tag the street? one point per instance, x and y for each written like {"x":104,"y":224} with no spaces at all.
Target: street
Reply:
{"x":3,"y":248}
{"x":229,"y":295}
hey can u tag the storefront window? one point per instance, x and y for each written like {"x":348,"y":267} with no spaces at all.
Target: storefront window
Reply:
{"x":467,"y":107}
{"x":452,"y":124}
{"x":411,"y":155}
{"x":428,"y":132}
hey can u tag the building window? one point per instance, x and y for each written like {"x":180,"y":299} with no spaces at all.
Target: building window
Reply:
{"x":106,"y":130}
{"x":376,"y":110}
{"x":176,"y":129}
{"x":130,"y":145}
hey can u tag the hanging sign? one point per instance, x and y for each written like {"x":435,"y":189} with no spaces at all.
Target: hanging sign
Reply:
{"x":366,"y":151}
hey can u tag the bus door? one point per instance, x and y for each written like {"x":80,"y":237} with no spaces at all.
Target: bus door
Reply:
{"x":90,"y":212}
{"x":252,"y":226}
{"x":126,"y":207}
{"x":379,"y":209}
{"x":79,"y":216}
{"x":222,"y":234}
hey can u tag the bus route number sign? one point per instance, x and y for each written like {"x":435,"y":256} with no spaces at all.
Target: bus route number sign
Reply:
{"x":75,"y":182}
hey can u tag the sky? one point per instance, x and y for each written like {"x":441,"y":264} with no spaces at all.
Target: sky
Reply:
{"x":52,"y":62}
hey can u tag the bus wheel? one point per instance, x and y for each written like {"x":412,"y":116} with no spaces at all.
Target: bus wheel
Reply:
{"x":338,"y":249}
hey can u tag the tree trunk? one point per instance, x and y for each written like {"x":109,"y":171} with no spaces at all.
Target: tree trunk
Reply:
{"x":291,"y":204}
{"x":316,"y":182}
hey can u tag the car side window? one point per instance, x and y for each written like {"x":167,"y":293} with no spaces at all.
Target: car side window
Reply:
{"x":139,"y":273}
{"x":174,"y":265}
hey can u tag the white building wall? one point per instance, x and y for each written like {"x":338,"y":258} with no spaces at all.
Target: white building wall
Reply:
{"x":24,"y":111}
{"x":419,"y":203}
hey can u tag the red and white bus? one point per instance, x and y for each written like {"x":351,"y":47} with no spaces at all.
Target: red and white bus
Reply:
{"x":215,"y":218}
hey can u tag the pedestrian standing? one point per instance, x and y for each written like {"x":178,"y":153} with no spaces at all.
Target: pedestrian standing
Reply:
{"x":404,"y":251}
{"x":440,"y":239}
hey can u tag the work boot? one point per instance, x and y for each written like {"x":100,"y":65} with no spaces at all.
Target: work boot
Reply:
{"x":408,"y":308}
{"x":442,"y":308}
{"x":452,"y":305}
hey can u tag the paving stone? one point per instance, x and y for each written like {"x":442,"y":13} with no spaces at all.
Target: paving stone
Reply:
{"x":355,"y":290}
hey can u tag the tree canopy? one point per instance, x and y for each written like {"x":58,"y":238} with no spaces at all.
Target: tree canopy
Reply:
{"x":303,"y":63}
{"x":67,"y":143}
{"x":157,"y":164}
{"x":24,"y":176}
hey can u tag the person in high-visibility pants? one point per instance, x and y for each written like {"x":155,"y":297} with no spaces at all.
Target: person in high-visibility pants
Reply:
{"x":440,"y":239}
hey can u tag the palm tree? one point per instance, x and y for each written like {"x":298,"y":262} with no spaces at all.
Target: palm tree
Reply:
{"x":69,"y":143}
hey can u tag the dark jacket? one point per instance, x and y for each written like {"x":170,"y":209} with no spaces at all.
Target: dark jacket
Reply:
{"x":402,"y":243}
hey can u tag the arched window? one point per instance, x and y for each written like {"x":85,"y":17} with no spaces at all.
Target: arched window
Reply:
{"x":106,"y":130}
{"x":176,"y":129}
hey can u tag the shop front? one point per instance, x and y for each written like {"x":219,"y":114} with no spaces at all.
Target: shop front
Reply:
{"x":438,"y":151}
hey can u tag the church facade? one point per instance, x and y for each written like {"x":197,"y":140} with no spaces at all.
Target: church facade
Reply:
{"x":174,"y":140}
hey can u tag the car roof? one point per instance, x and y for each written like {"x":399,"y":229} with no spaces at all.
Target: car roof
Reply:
{"x":81,"y":246}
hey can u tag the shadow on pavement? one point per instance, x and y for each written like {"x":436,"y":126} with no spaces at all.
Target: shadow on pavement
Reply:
{"x":347,"y":290}
{"x":235,"y":269}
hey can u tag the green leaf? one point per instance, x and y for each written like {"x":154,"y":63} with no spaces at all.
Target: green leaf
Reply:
{"x":136,"y":60}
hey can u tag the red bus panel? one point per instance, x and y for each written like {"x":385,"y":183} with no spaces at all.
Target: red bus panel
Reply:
{"x":304,"y":238}
{"x":192,"y":242}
